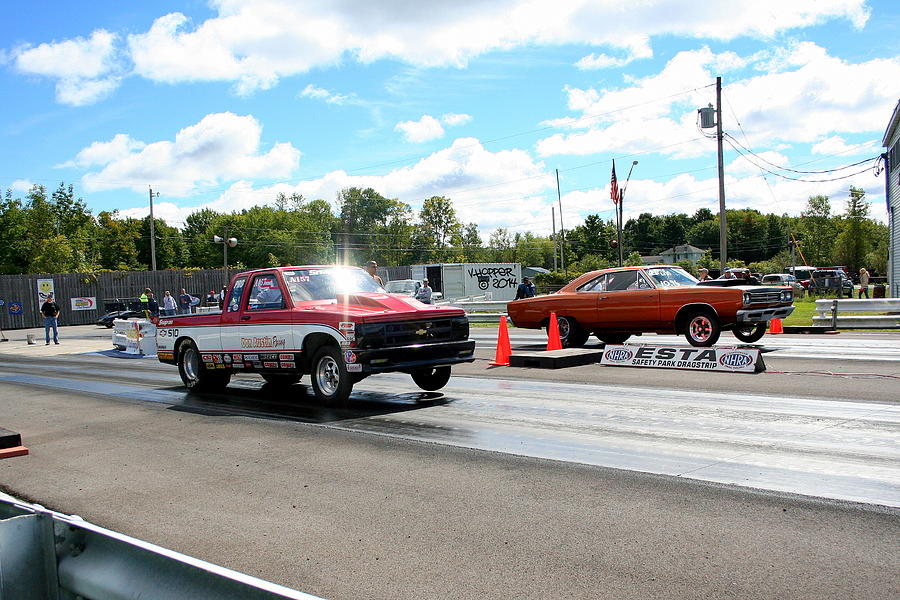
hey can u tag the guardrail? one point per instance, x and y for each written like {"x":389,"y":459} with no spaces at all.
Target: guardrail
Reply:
{"x":480,"y":311}
{"x":45,"y":555}
{"x":829,"y":313}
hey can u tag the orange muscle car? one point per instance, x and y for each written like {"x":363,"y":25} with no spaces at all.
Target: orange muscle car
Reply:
{"x":615,"y":304}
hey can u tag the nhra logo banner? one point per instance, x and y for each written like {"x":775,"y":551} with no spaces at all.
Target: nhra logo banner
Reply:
{"x":734,"y":360}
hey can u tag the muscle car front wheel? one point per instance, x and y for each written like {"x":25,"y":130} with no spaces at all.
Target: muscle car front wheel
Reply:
{"x":702,"y":329}
{"x":749,"y":333}
{"x":330,"y":380}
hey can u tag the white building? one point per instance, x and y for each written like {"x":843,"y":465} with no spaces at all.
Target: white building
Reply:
{"x":679,"y":253}
{"x":891,"y":141}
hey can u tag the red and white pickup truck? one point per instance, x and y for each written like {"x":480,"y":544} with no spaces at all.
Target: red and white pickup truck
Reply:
{"x":335,"y":323}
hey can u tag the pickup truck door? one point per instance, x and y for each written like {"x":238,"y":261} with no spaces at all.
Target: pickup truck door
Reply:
{"x":258,"y":322}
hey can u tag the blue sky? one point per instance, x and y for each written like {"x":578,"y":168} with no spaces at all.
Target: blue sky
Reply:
{"x":223,"y":104}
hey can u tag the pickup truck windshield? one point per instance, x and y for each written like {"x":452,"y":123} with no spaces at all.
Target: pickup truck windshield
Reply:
{"x":671,"y":277}
{"x":326,"y":284}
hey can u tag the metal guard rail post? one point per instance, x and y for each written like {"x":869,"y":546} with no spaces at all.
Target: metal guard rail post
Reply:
{"x":45,"y":555}
{"x":828,"y":312}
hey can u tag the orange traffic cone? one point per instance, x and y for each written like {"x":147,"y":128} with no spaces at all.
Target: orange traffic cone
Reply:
{"x":553,"y":341}
{"x":775,"y":326}
{"x":501,"y":359}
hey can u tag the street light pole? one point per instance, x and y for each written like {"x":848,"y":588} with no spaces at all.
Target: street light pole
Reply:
{"x":226,"y":243}
{"x":152,"y":232}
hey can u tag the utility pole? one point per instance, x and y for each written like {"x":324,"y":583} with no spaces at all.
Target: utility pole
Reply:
{"x":562,"y":229}
{"x":723,"y":227}
{"x":553,"y":218}
{"x":152,"y":232}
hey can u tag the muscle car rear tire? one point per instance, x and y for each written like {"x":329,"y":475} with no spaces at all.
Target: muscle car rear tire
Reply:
{"x":749,"y":333}
{"x":281,"y":378}
{"x":330,"y":380}
{"x":702,"y":329}
{"x":613,"y":338}
{"x":431,"y":379}
{"x":571,"y":334}
{"x":194,"y":374}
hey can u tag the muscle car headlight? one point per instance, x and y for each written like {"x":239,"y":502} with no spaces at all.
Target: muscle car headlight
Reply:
{"x":787,"y":296}
{"x":747,"y":299}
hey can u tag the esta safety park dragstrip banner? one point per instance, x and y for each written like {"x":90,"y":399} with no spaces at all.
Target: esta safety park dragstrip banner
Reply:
{"x":732,"y":359}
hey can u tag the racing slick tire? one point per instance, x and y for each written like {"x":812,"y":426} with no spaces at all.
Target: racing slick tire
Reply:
{"x":330,"y":380}
{"x":702,"y":329}
{"x":194,"y":374}
{"x":611,"y":339}
{"x":749,"y":333}
{"x":281,"y":379}
{"x":571,"y":334}
{"x":431,"y":379}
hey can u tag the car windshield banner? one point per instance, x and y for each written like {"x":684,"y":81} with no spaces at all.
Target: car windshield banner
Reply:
{"x":733,"y":360}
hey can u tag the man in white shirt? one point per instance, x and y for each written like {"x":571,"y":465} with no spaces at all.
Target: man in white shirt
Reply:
{"x":424,"y":293}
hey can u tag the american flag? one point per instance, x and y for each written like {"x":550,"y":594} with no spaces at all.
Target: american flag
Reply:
{"x":614,"y":185}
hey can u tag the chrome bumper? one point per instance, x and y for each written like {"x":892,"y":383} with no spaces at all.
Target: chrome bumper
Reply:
{"x":763,"y":315}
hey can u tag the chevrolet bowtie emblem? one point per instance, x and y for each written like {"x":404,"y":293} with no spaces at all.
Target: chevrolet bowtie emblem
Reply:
{"x":421,"y":331}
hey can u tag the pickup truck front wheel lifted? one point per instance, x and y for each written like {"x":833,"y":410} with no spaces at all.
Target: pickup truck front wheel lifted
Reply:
{"x":431,"y":379}
{"x":330,"y":380}
{"x":195,"y":375}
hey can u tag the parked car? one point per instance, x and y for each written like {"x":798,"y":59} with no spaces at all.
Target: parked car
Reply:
{"x":802,"y":273}
{"x":785,"y":279}
{"x":408,"y":287}
{"x":828,"y":280}
{"x":107,"y":319}
{"x":615,"y":304}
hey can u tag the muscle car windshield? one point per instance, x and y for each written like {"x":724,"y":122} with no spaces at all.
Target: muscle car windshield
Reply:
{"x":326,"y":284}
{"x":670,"y":277}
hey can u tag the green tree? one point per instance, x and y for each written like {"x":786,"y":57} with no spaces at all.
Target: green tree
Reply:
{"x":853,"y":242}
{"x":817,"y":230}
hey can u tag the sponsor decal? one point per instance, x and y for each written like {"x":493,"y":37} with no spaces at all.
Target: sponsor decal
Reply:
{"x":206,"y":357}
{"x":270,"y":341}
{"x":210,"y":365}
{"x":618,"y":355}
{"x":15,"y":308}
{"x":164,"y":322}
{"x":220,"y":366}
{"x":349,"y":357}
{"x":348,"y":330}
{"x":165,"y":355}
{"x":217,"y":358}
{"x":735,"y":359}
{"x":270,"y":364}
{"x":84,"y":303}
{"x":288,"y":365}
{"x":684,"y":357}
{"x":265,"y":357}
{"x":285,"y":357}
{"x":251,"y":357}
{"x":355,"y":368}
{"x":236,"y":358}
{"x":237,"y":365}
{"x":226,"y":358}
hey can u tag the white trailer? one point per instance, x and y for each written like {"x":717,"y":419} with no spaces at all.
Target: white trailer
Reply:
{"x":498,"y":281}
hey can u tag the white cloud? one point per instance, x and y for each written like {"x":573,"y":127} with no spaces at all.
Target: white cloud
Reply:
{"x":658,"y":113}
{"x":255,"y":43}
{"x":836,"y":145}
{"x":21,"y":185}
{"x":454,"y":119}
{"x":85,"y":68}
{"x":221,"y":147}
{"x":425,"y":129}
{"x":316,"y":93}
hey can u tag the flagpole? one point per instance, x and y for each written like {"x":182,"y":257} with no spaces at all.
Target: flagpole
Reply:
{"x":622,"y":212}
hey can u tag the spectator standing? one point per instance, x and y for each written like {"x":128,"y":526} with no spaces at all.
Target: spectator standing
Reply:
{"x":184,"y":302}
{"x":526,"y":289}
{"x":211,"y":299}
{"x":704,"y":274}
{"x":50,"y":310}
{"x":863,"y":283}
{"x":152,"y":306}
{"x":372,"y":269}
{"x":425,"y":292}
{"x":169,"y":304}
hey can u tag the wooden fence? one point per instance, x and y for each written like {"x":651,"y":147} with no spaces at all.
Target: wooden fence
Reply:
{"x":21,"y":304}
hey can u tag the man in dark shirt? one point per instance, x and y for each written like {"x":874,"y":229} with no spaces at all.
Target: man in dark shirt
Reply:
{"x":50,"y":310}
{"x":525,"y":289}
{"x":184,"y":302}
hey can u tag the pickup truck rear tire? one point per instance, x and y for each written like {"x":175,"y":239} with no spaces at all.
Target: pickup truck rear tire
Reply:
{"x":749,"y":333}
{"x":330,"y":380}
{"x":195,"y":375}
{"x":431,"y":379}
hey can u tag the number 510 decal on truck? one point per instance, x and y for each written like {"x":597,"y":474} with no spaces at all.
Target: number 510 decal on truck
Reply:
{"x":336,"y":324}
